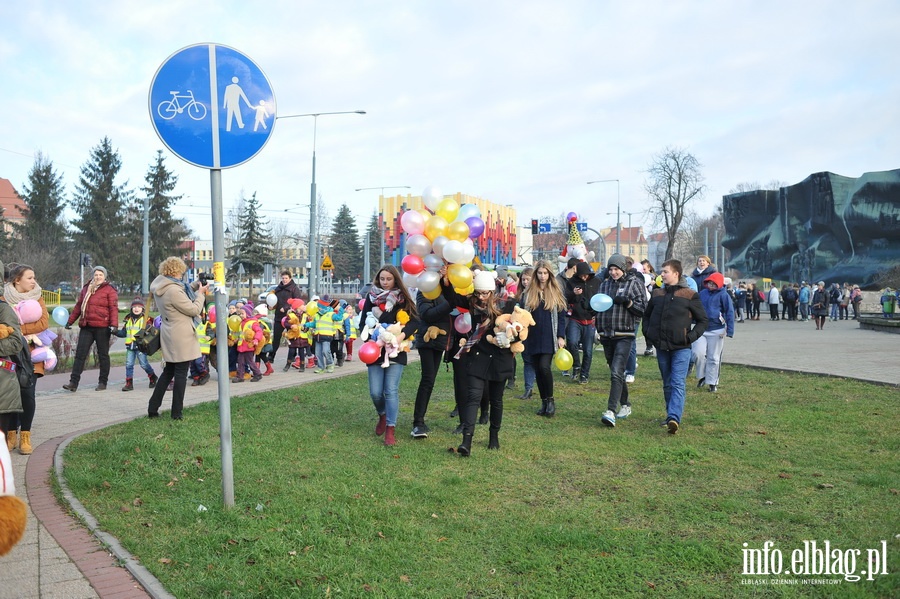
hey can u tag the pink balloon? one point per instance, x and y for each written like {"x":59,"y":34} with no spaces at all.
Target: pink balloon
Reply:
{"x":369,"y":352}
{"x":212,"y":314}
{"x":362,"y":303}
{"x":413,"y":222}
{"x":463,"y":323}
{"x":412,"y":264}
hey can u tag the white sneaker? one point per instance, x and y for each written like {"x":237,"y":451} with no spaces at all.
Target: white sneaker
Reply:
{"x":624,"y":412}
{"x":608,"y":418}
{"x":629,"y":378}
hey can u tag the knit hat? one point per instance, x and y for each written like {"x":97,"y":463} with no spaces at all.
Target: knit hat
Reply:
{"x":716,"y":278}
{"x":248,"y":311}
{"x":324,"y":301}
{"x":137,"y":301}
{"x":101,"y":269}
{"x":485,"y":281}
{"x":502,"y":272}
{"x":295,"y":303}
{"x":617,"y":260}
{"x":262,"y":310}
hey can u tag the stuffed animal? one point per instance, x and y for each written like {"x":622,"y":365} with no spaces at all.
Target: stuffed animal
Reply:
{"x":433,"y":332}
{"x":369,"y":328}
{"x":392,"y":339}
{"x":13,"y":512}
{"x":575,"y":247}
{"x":511,"y":330}
{"x":291,"y":324}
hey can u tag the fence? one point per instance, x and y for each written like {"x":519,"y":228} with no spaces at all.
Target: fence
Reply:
{"x":51,"y":298}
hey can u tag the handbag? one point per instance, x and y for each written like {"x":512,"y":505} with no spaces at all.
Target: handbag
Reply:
{"x":147,"y":340}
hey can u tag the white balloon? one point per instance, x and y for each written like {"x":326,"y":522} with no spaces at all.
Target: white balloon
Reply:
{"x":433,"y":262}
{"x":428,"y":281}
{"x":410,"y":280}
{"x":454,"y":252}
{"x":418,"y":245}
{"x":468,"y":253}
{"x":432,"y":196}
{"x":437,"y":246}
{"x":271,"y":300}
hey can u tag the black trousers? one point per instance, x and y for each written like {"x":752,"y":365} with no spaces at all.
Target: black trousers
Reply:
{"x":173,"y":370}
{"x":477,"y":389}
{"x":543,"y":374}
{"x":87,"y":336}
{"x":277,"y":332}
{"x":430,"y":361}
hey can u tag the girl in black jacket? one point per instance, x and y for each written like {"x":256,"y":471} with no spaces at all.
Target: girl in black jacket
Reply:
{"x":486,"y":365}
{"x":435,"y":323}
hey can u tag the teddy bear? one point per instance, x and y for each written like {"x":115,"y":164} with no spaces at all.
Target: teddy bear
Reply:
{"x":433,"y":332}
{"x":511,"y":330}
{"x":13,"y":512}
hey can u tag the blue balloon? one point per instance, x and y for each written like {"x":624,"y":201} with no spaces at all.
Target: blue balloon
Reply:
{"x":60,"y":316}
{"x":601,"y":302}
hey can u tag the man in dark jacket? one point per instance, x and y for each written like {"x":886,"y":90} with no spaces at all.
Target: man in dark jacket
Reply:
{"x":579,"y":290}
{"x":286,"y":290}
{"x":617,"y":327}
{"x":674,"y":319}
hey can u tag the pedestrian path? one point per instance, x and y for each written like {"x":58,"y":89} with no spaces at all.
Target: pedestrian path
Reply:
{"x":59,"y":558}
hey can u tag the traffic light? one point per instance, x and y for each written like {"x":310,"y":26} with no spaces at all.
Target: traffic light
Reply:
{"x":534,"y":226}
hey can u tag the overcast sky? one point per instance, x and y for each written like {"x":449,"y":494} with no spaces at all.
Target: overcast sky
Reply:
{"x":520,"y":102}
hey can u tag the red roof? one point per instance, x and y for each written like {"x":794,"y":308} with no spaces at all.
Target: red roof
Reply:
{"x":10,"y":202}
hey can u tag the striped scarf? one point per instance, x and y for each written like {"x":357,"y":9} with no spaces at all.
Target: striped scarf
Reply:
{"x":474,"y":338}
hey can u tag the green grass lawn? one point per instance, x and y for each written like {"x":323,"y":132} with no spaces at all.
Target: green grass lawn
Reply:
{"x":566,"y":508}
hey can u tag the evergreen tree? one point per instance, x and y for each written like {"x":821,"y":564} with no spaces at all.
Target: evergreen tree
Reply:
{"x":5,"y":241}
{"x":167,"y":232}
{"x":346,"y":251}
{"x":44,"y":197}
{"x":376,"y":241}
{"x":253,"y":247}
{"x":101,"y":227}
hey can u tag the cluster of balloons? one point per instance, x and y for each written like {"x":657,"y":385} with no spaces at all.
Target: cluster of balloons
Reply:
{"x":444,"y":232}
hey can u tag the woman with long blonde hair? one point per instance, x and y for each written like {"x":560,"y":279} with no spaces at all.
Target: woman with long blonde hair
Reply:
{"x":547,"y":304}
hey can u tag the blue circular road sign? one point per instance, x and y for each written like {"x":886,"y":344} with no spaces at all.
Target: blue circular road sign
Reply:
{"x":212,"y":106}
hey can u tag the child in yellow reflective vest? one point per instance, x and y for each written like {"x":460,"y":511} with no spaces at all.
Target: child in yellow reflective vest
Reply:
{"x":251,"y":337}
{"x":135,"y":321}
{"x":350,"y":328}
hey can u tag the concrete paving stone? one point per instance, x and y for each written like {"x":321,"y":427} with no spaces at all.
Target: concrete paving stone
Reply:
{"x":72,"y":589}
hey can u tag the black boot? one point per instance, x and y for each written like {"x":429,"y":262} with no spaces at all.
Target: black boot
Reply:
{"x":526,"y":395}
{"x":551,"y":408}
{"x":454,"y":413}
{"x":465,"y":448}
{"x":543,"y":410}
{"x":485,"y":416}
{"x":494,"y":442}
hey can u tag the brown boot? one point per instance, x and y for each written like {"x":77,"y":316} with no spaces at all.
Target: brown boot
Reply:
{"x":25,"y":443}
{"x":12,"y":439}
{"x":389,"y":436}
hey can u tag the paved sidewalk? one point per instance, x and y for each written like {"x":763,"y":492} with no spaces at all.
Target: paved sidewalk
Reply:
{"x":59,"y":558}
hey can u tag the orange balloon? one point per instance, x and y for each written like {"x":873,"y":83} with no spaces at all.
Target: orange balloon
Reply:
{"x":458,"y":231}
{"x":460,"y":276}
{"x":435,"y":226}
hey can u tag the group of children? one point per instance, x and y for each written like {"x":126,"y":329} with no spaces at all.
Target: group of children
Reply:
{"x":320,"y":334}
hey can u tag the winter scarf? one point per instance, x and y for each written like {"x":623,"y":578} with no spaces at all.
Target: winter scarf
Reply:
{"x":14,"y":296}
{"x":384,"y":300}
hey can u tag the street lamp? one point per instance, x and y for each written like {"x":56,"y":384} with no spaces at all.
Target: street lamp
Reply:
{"x":630,"y":234}
{"x":618,"y":206}
{"x":366,"y":265}
{"x":313,"y":250}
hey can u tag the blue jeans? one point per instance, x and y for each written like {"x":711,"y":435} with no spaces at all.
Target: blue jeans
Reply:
{"x":616,"y":352}
{"x":130,"y":355}
{"x":528,"y":370}
{"x":631,"y":364}
{"x":323,"y":353}
{"x":584,"y":334}
{"x":673,"y":366}
{"x":384,"y":388}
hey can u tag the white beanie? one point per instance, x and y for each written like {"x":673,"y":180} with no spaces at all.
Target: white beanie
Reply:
{"x":262,"y":310}
{"x":485,"y":281}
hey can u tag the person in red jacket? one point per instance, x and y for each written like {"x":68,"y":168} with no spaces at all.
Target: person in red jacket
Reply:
{"x":97,"y":313}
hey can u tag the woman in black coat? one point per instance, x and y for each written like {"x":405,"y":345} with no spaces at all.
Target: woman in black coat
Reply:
{"x":435,"y":323}
{"x":486,"y":365}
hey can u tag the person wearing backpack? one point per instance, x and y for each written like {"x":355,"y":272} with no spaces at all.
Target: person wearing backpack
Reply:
{"x":133,"y":322}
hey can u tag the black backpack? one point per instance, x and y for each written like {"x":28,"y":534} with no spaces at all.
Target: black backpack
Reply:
{"x":24,"y":365}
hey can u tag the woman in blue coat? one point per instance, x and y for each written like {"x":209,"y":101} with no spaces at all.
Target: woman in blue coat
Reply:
{"x":547,"y":304}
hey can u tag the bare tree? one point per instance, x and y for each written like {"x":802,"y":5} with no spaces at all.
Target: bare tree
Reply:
{"x":744,"y":186}
{"x":674,"y":181}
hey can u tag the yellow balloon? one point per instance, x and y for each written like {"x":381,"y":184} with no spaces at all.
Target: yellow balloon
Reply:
{"x":234,"y":323}
{"x":563,"y":359}
{"x":459,"y":275}
{"x":447,"y":210}
{"x":435,"y":226}
{"x":312,"y":308}
{"x":433,"y":294}
{"x":425,"y":214}
{"x":458,"y":231}
{"x":469,"y":290}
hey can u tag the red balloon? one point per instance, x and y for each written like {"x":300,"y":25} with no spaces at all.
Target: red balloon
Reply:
{"x":362,"y":303}
{"x":412,"y":264}
{"x":369,"y":352}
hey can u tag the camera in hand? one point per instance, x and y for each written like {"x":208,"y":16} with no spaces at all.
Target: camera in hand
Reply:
{"x":204,"y":278}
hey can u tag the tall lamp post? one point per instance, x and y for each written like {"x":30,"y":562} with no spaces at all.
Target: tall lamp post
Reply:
{"x":313,"y":250}
{"x":630,"y":234}
{"x":618,"y":210}
{"x":367,"y":266}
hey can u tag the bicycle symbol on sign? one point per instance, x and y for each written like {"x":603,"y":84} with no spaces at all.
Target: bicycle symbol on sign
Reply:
{"x":167,"y":109}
